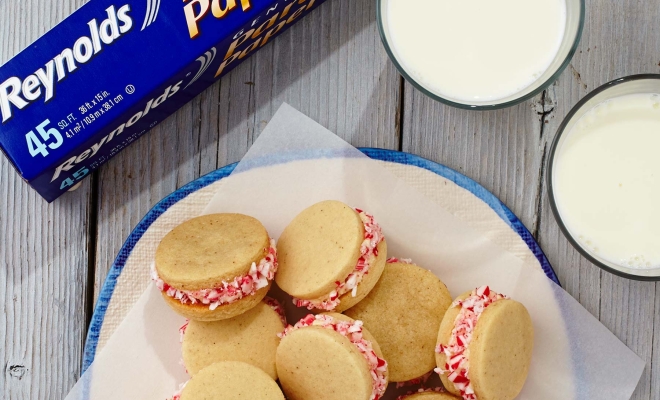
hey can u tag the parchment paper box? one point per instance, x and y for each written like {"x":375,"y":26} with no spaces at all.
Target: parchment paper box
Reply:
{"x":114,"y":69}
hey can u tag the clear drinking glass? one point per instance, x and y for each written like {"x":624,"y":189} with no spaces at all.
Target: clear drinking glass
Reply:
{"x":635,"y":84}
{"x":574,"y":24}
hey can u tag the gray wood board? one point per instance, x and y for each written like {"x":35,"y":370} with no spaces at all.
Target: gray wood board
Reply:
{"x":44,"y":252}
{"x":332,"y":67}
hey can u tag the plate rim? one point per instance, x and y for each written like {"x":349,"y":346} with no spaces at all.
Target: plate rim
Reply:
{"x":107,"y":290}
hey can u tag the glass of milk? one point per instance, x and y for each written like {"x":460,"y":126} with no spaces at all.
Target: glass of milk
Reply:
{"x":604,"y":177}
{"x":480,"y":54}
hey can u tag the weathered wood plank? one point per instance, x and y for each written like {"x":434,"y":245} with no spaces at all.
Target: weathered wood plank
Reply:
{"x":329,"y":65}
{"x":500,"y":149}
{"x":620,"y":38}
{"x":332,"y":67}
{"x":577,"y":275}
{"x":44,"y":252}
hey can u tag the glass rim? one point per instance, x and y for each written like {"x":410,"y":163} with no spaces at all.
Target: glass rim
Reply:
{"x":551,"y":194}
{"x":479,"y":107}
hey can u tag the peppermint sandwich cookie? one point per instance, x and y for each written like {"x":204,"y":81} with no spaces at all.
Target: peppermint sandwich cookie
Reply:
{"x":231,"y":380}
{"x":330,"y":357}
{"x":403,"y":312}
{"x":215,"y":267}
{"x":250,"y":337}
{"x":485,"y":346}
{"x":331,"y":256}
{"x":428,"y":394}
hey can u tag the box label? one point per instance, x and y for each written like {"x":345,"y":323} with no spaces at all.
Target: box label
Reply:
{"x":113,"y":70}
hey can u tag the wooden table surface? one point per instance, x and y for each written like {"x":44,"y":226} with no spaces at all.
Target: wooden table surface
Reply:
{"x":332,"y":67}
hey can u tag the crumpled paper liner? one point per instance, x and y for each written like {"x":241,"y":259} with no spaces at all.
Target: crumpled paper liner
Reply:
{"x":296,"y":163}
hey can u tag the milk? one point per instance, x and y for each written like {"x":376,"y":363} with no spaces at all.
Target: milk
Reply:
{"x":606,"y":180}
{"x":475,"y":51}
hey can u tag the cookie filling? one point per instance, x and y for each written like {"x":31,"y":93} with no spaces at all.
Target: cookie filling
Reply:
{"x":242,"y":286}
{"x":393,"y":260}
{"x":352,"y":331}
{"x":177,"y":395}
{"x":373,"y":235}
{"x":457,"y":367}
{"x":182,"y":330}
{"x":421,"y":390}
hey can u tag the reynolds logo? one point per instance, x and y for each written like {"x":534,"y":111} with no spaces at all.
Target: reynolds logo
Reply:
{"x":65,"y":112}
{"x":18,"y":93}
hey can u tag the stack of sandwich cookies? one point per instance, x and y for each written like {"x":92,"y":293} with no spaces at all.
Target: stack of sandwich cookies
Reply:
{"x":331,"y":256}
{"x":231,"y":380}
{"x":215,"y":267}
{"x":403,"y":312}
{"x":330,"y":357}
{"x":216,"y":270}
{"x":485,"y":346}
{"x":250,"y":337}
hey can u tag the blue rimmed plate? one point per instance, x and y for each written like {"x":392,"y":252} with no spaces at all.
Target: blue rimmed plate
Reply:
{"x":119,"y":291}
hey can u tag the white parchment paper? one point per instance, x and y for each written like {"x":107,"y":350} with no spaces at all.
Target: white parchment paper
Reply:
{"x":295,"y":163}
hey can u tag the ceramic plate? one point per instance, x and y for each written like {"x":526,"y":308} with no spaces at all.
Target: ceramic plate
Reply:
{"x":460,"y":195}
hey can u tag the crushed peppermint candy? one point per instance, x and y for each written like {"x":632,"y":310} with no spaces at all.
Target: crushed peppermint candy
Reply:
{"x":277,"y":307}
{"x":177,"y":395}
{"x":182,"y":333}
{"x":182,"y":330}
{"x":416,"y":381}
{"x":457,"y":367}
{"x":373,"y":235}
{"x":438,"y":389}
{"x":393,"y":260}
{"x":257,"y":278}
{"x":353,"y":332}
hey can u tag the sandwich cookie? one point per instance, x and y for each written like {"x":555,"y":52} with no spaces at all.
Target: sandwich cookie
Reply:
{"x":231,"y":380}
{"x":330,"y":357}
{"x":250,"y":337}
{"x":485,"y":346}
{"x":403,"y":312}
{"x":331,"y":256}
{"x":215,"y":267}
{"x":428,"y":394}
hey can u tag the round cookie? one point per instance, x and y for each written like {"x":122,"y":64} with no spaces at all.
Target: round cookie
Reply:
{"x":318,"y":359}
{"x":215,"y":266}
{"x":500,"y":346}
{"x":429,"y":395}
{"x":403,"y":312}
{"x":250,"y":337}
{"x":231,"y":380}
{"x":324,"y":253}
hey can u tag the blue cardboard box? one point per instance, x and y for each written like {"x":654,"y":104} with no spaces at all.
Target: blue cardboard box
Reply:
{"x":114,"y":69}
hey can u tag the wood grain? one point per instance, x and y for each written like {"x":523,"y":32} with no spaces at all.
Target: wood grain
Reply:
{"x":501,"y":149}
{"x":620,"y":38}
{"x":330,"y":65}
{"x":44,"y":252}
